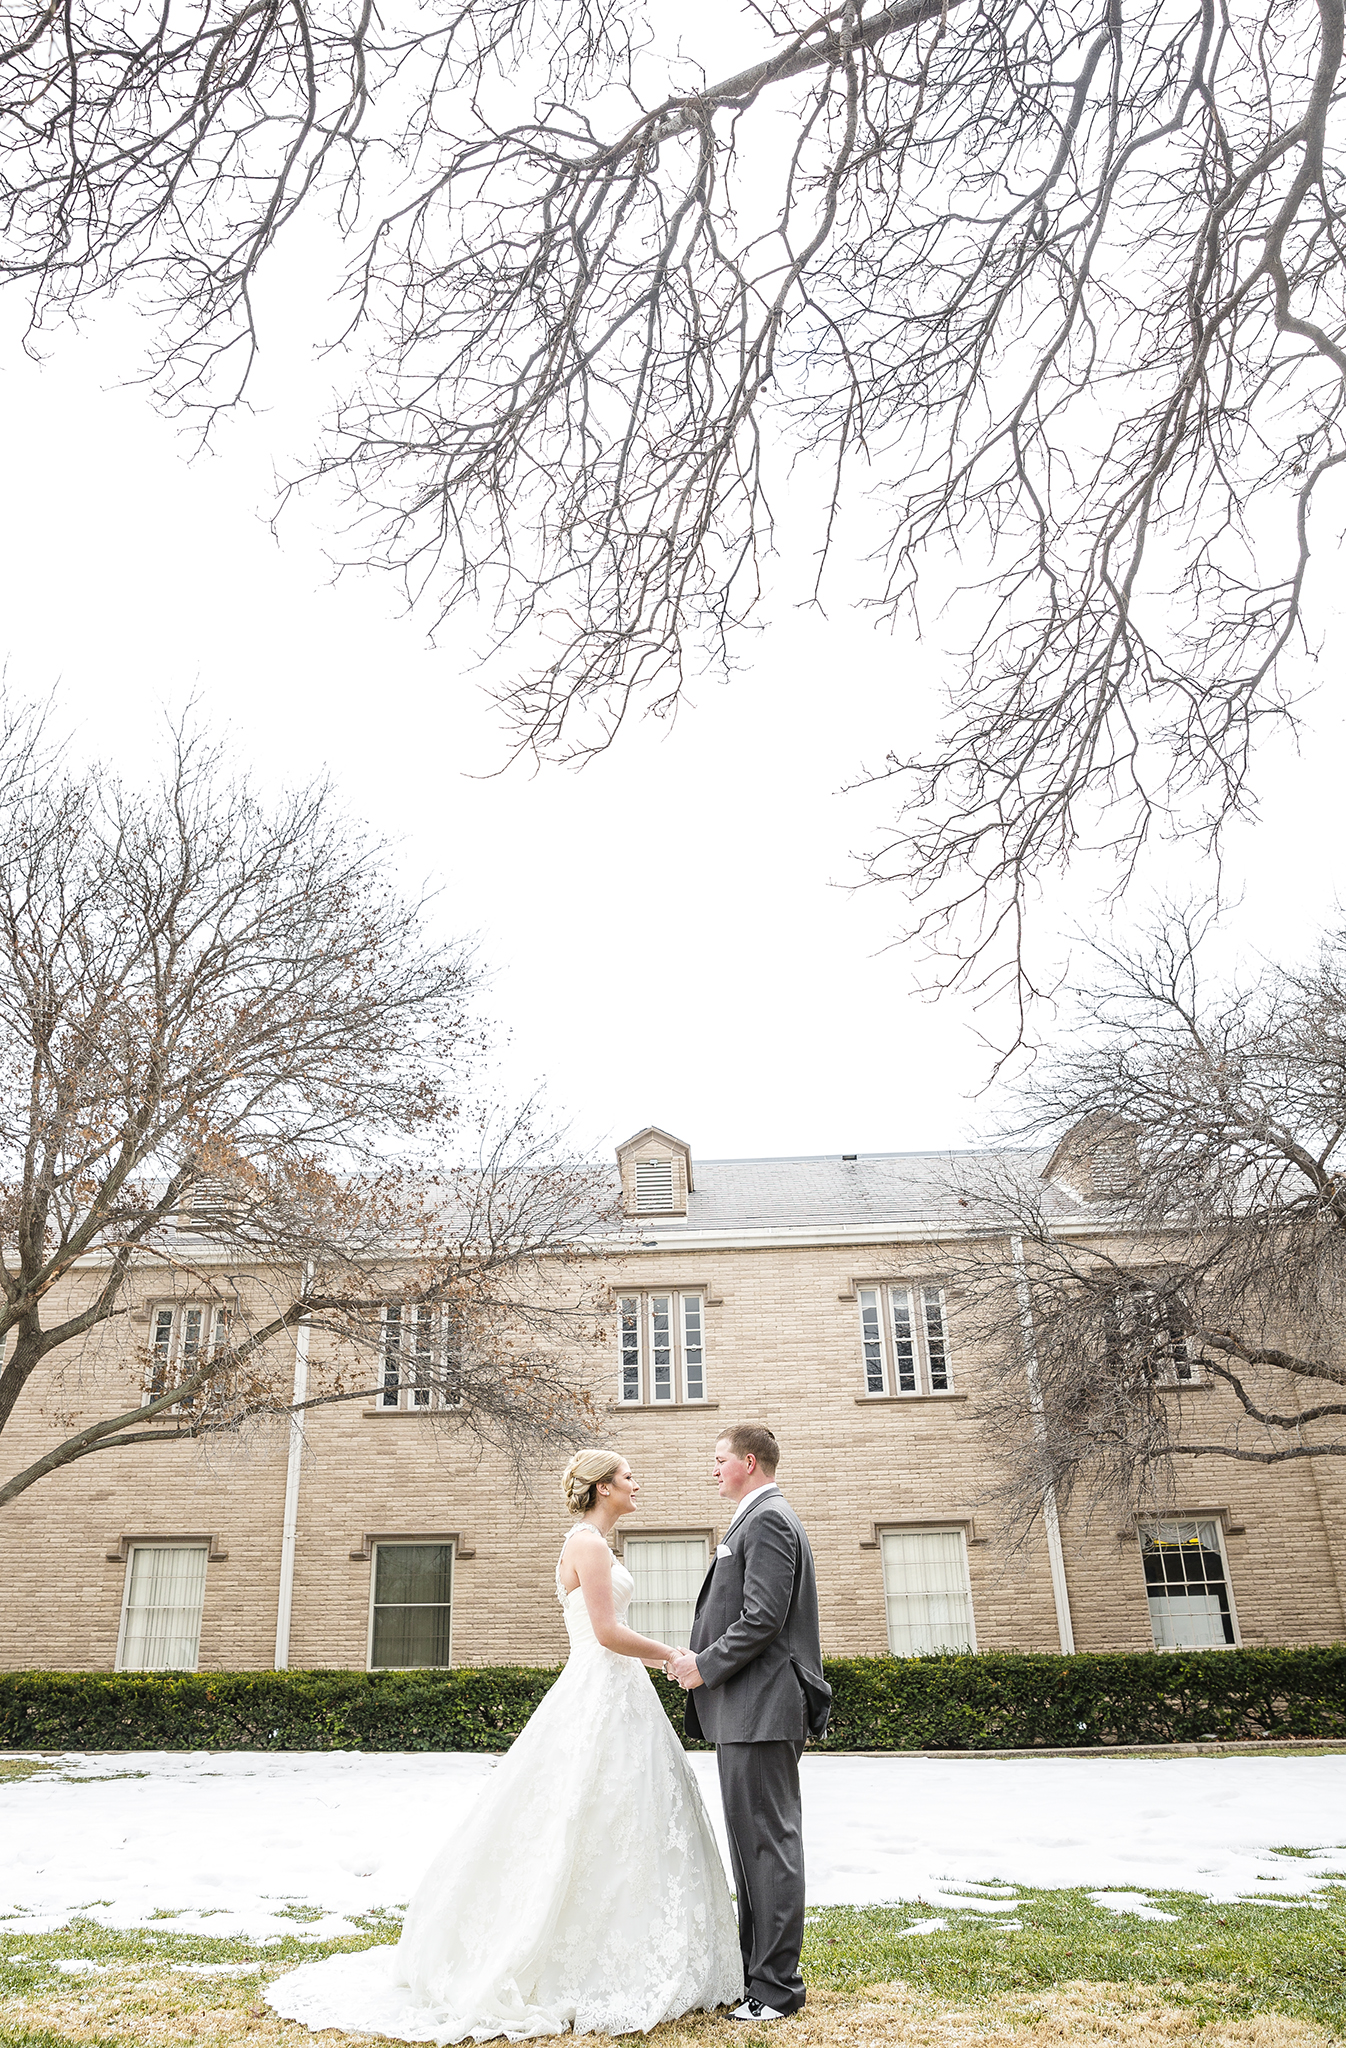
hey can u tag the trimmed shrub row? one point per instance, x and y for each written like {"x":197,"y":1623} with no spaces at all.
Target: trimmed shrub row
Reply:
{"x":995,"y":1701}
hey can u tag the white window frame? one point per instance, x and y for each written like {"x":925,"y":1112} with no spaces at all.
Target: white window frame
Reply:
{"x":905,"y":1351}
{"x":929,"y":1529}
{"x":659,"y":1365}
{"x":1145,"y":1524}
{"x":650,"y":1537}
{"x":177,"y":1317}
{"x":425,"y":1379}
{"x":1181,"y":1369}
{"x":410,"y":1543}
{"x":167,"y":1543}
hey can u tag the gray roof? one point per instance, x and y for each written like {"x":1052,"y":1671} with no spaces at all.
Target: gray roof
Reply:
{"x":873,"y":1189}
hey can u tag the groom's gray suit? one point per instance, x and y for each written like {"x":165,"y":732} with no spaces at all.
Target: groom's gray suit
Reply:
{"x":755,"y":1638}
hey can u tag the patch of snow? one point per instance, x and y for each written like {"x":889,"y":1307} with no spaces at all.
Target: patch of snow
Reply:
{"x":925,"y":1927}
{"x":81,"y":1966}
{"x":1135,"y":1903}
{"x":226,"y":1842}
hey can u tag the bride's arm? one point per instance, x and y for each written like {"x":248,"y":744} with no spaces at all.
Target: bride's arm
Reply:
{"x":593,"y":1561}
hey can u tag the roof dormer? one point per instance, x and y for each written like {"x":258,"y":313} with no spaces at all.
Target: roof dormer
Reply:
{"x":656,"y":1171}
{"x":1098,"y":1159}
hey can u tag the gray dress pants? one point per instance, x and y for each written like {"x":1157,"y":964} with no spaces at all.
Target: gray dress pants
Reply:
{"x":759,"y":1784}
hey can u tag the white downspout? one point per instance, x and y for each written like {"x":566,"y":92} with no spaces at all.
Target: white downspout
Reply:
{"x":290,"y":1523}
{"x":1051,"y":1523}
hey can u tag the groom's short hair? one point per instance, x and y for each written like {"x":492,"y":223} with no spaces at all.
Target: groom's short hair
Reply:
{"x":752,"y":1439}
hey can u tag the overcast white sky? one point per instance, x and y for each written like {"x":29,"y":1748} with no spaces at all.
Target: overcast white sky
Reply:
{"x":671,"y":933}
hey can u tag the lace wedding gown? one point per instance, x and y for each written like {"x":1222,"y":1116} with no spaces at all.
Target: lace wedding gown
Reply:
{"x":583,"y":1888}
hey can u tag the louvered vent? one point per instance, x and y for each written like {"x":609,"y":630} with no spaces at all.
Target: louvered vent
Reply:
{"x":211,"y":1205}
{"x":654,"y":1187}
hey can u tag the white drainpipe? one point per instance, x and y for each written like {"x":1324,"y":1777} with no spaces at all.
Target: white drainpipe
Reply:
{"x":290,"y":1524}
{"x":1050,"y":1522}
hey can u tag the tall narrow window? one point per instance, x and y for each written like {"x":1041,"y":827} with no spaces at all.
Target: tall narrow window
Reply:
{"x":936,"y":1339}
{"x":668,"y":1572}
{"x":661,"y":1347}
{"x":162,"y":1349}
{"x":412,"y":1607}
{"x":926,"y":1587}
{"x":871,"y":1336}
{"x":161,"y":1609}
{"x":654,"y":1187}
{"x":423,"y":1357}
{"x":390,"y":1395}
{"x":904,"y":1340}
{"x":1187,"y":1587}
{"x":693,"y":1364}
{"x":629,"y":1322}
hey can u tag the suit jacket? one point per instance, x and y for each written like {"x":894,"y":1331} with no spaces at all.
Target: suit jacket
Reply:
{"x":755,"y":1634}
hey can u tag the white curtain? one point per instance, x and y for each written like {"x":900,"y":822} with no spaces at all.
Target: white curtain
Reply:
{"x":668,"y":1575}
{"x":1184,"y":1573}
{"x":925,"y":1582}
{"x":1187,"y":1621}
{"x":163,"y":1608}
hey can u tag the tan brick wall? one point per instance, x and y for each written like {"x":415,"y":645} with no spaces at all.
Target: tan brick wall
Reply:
{"x":782,"y":1346}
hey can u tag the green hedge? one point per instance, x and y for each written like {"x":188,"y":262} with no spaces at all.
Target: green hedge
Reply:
{"x":996,"y":1701}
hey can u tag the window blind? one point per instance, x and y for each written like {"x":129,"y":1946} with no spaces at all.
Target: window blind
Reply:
{"x":165,"y":1594}
{"x":926,"y":1587}
{"x":668,"y":1572}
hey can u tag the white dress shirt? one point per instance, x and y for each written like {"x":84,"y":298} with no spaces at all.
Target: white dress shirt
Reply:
{"x":749,"y":1498}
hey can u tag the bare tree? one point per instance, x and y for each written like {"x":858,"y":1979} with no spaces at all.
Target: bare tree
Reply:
{"x":1189,"y":1223}
{"x":230,"y":1054}
{"x":1061,"y":286}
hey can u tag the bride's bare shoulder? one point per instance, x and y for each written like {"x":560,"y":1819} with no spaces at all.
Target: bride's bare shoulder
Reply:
{"x":592,"y":1541}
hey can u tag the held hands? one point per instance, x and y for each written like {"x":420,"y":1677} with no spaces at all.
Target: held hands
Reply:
{"x":683,"y":1666}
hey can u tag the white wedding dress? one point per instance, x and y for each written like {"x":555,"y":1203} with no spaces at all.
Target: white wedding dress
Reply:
{"x":583,"y":1888}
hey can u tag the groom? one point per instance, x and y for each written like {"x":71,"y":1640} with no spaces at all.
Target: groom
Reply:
{"x":755,"y":1688}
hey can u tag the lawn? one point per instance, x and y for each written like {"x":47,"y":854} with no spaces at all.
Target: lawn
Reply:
{"x":1056,"y":1969}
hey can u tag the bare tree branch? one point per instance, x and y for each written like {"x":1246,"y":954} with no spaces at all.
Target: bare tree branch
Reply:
{"x":1054,"y":293}
{"x":1188,"y":1231}
{"x":230,"y":1056}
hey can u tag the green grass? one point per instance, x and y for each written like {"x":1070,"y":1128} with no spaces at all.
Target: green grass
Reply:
{"x":14,"y":1767}
{"x":1225,"y":1961}
{"x":43,"y":2037}
{"x":1235,"y":1960}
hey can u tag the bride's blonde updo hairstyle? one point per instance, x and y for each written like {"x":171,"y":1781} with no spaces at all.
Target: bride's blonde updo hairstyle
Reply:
{"x":581,"y":1478}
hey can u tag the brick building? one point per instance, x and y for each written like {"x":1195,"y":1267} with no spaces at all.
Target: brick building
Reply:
{"x":809,"y":1293}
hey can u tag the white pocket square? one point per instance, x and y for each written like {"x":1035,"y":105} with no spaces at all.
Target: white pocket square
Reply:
{"x":723,"y":1550}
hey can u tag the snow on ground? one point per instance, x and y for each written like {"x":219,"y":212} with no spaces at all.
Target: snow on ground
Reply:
{"x":235,"y":1843}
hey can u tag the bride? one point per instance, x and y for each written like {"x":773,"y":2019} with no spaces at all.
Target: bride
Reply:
{"x":583,"y":1887}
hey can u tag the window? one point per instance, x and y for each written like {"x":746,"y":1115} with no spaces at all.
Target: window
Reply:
{"x":411,"y":1607}
{"x":161,"y":1607}
{"x":182,"y":1334}
{"x":668,"y":1571}
{"x":654,"y":1187}
{"x":421,"y":1362}
{"x":904,"y":1339}
{"x":1185,"y":1579}
{"x":661,"y":1342}
{"x":1142,"y":1329}
{"x":926,"y":1588}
